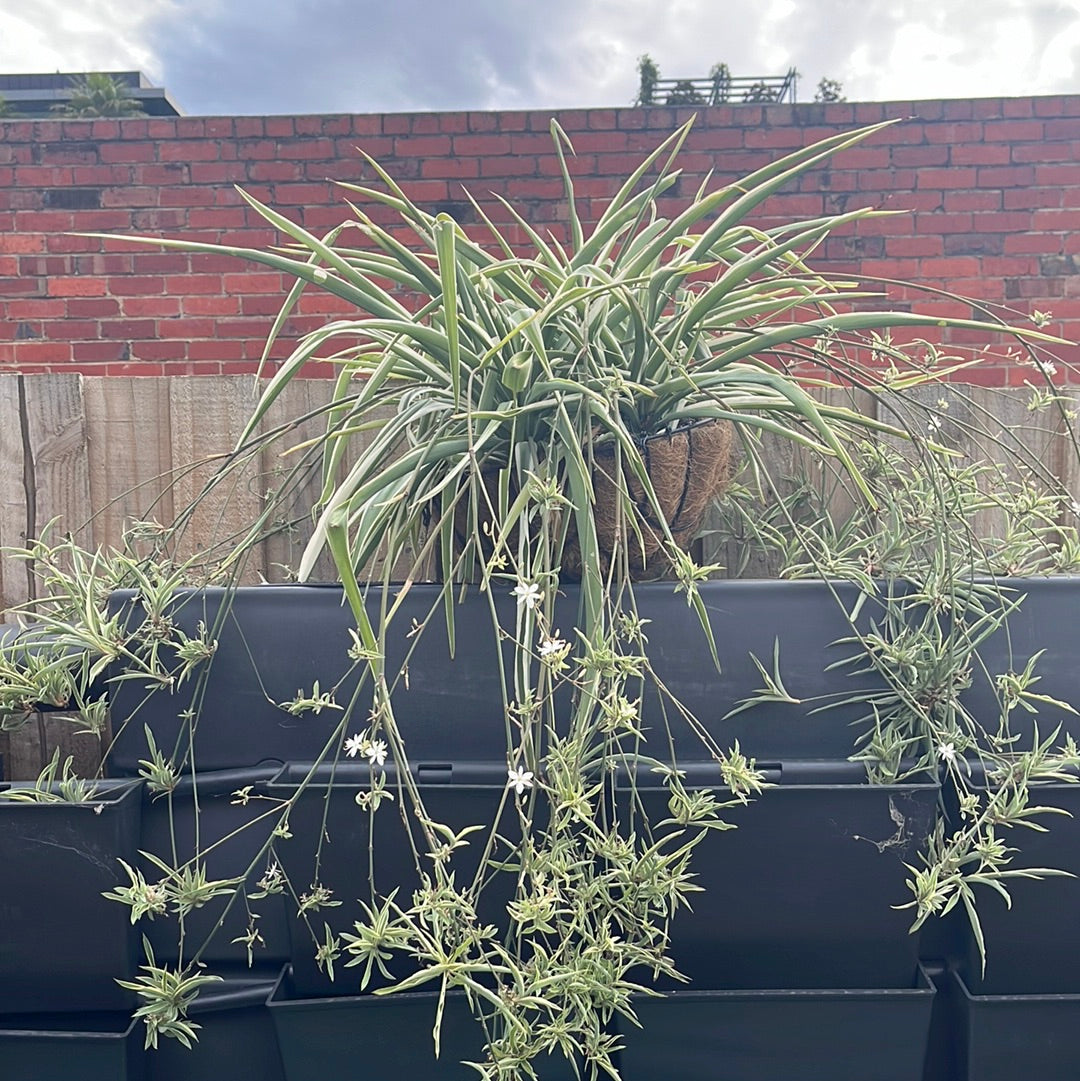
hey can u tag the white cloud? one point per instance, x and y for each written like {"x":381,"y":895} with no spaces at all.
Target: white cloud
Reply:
{"x":96,"y":35}
{"x":366,"y":55}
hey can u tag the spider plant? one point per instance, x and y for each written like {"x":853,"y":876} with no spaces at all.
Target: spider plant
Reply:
{"x":500,"y":392}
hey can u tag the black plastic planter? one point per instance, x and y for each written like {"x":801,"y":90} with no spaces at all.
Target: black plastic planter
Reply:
{"x":1014,"y":1037}
{"x":459,"y":795}
{"x":63,"y":945}
{"x":1045,"y":623}
{"x":235,"y":1039}
{"x":802,"y":893}
{"x":759,"y":1035}
{"x":89,"y":1047}
{"x":276,"y":640}
{"x":383,"y":1036}
{"x":230,"y":835}
{"x":1033,"y":947}
{"x":273,"y":641}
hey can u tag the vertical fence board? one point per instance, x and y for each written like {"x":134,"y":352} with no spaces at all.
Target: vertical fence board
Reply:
{"x":131,"y":461}
{"x":13,"y":579}
{"x":294,"y":526}
{"x":782,"y":467}
{"x":207,"y":416}
{"x":56,"y":439}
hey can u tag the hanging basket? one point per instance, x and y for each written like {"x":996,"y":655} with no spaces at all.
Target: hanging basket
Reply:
{"x":687,"y":468}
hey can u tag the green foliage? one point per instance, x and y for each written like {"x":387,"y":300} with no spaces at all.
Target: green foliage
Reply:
{"x":56,"y":783}
{"x":829,"y":90}
{"x":931,"y":549}
{"x":99,"y":95}
{"x":683,"y":93}
{"x":721,"y":80}
{"x":648,"y":74}
{"x":760,"y":93}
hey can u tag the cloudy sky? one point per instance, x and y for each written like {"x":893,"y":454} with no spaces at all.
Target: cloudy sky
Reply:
{"x":325,"y":56}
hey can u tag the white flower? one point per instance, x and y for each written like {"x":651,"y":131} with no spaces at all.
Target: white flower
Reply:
{"x":1074,"y":506}
{"x":527,"y":594}
{"x":376,"y":752}
{"x":549,"y":647}
{"x":355,"y":745}
{"x":947,"y":752}
{"x":520,"y":779}
{"x":933,"y":424}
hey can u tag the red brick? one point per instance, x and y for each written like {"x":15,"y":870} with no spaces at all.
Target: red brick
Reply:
{"x":980,"y":175}
{"x":92,"y":307}
{"x":1055,"y":221}
{"x":202,"y":305}
{"x":126,"y":152}
{"x":922,"y":156}
{"x":953,"y":134}
{"x":450,"y":168}
{"x":216,"y":350}
{"x":423,"y":146}
{"x":1032,"y":243}
{"x":128,"y":328}
{"x":195,"y":283}
{"x":162,"y":349}
{"x":189,"y":150}
{"x":153,"y":307}
{"x":76,"y":287}
{"x":31,"y":352}
{"x":959,"y":177}
{"x":371,"y":124}
{"x":253,"y":282}
{"x":187,"y":328}
{"x":1013,"y":131}
{"x":1057,"y":175}
{"x":135,"y":369}
{"x":132,"y":285}
{"x":973,"y":200}
{"x":1062,"y":129}
{"x":36,"y":308}
{"x":909,"y":247}
{"x":22,"y":243}
{"x":1030,"y":198}
{"x":100,"y":351}
{"x":980,"y":154}
{"x":70,"y":329}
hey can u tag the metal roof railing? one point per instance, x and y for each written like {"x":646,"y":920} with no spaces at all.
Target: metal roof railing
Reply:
{"x":725,"y":89}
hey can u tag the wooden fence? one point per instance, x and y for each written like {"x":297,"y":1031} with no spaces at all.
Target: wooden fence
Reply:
{"x":94,"y":453}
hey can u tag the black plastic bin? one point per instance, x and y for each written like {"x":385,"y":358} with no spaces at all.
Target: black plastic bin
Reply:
{"x":809,"y":1034}
{"x":276,"y":640}
{"x":1033,"y":945}
{"x":1044,"y":623}
{"x":383,"y":1036}
{"x":236,"y":1037}
{"x":83,"y":1047}
{"x":230,"y":834}
{"x":1016,"y":1037}
{"x":458,"y":794}
{"x":804,"y":892}
{"x":62,"y":944}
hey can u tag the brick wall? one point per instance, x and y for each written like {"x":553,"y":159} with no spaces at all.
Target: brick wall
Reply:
{"x":991,"y":187}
